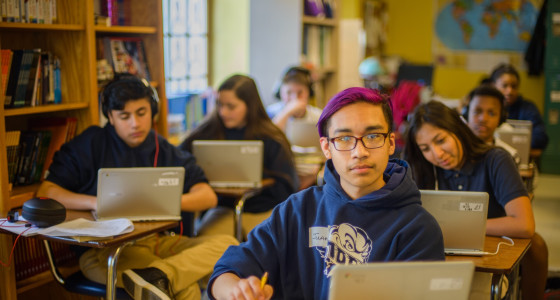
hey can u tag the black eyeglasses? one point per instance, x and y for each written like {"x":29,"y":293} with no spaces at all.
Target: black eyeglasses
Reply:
{"x":370,"y":141}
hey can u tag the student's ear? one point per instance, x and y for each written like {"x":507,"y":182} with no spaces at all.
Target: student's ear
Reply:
{"x":110,"y":117}
{"x":325,"y":147}
{"x":391,"y":141}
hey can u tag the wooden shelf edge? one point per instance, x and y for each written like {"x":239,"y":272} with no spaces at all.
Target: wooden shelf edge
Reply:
{"x":46,"y":27}
{"x":44,"y":108}
{"x":318,"y":21}
{"x":126,"y":29}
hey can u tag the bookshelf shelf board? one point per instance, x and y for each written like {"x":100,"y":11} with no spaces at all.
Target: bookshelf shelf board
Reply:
{"x":126,"y":29}
{"x":44,"y":108}
{"x":20,"y":194}
{"x":45,"y":27}
{"x":318,"y":21}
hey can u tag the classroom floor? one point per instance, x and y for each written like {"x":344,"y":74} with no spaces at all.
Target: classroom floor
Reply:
{"x":546,"y":207}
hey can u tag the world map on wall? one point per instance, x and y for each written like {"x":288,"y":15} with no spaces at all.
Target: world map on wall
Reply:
{"x":487,"y":24}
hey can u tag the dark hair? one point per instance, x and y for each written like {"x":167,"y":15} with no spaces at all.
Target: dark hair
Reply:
{"x":489,"y":91}
{"x":354,"y":95}
{"x":504,"y":69}
{"x":439,"y":115}
{"x":298,"y":75}
{"x":258,"y":125}
{"x":123,"y":88}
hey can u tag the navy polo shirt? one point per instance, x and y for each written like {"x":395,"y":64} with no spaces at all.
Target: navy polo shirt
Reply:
{"x":496,"y":174}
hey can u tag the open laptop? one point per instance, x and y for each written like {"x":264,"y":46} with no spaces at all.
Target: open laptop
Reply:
{"x":303,"y":134}
{"x":139,"y":194}
{"x":230,"y":163}
{"x":402,"y":280}
{"x":519,"y":137}
{"x":461,"y":215}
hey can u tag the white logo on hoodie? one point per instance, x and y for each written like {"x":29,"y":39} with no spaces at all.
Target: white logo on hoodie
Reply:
{"x":340,"y":244}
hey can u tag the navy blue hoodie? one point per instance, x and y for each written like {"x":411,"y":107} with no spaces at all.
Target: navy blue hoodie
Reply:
{"x":319,"y":227}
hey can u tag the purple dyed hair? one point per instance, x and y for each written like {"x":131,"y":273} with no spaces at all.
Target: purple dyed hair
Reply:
{"x":354,"y":95}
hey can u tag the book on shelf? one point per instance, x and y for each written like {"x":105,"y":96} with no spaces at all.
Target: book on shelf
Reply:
{"x":6,"y":56}
{"x":62,"y":129}
{"x":12,"y":150}
{"x":126,"y":55}
{"x":33,"y":79}
{"x":13,"y":77}
{"x":117,"y":11}
{"x":29,"y":11}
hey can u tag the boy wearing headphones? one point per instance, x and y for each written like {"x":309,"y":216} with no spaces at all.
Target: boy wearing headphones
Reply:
{"x":486,"y":112}
{"x":294,"y":92}
{"x":158,"y":266}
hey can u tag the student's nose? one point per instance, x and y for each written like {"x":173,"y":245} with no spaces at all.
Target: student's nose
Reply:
{"x":437,"y":151}
{"x":360,"y":150}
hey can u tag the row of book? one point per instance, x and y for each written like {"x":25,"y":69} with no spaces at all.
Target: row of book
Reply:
{"x":30,"y":152}
{"x":30,"y":77}
{"x":317,"y":45}
{"x":29,"y":11}
{"x":30,"y":257}
{"x":118,"y":12}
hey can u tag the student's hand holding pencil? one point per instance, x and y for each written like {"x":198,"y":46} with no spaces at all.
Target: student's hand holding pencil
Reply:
{"x":250,"y":288}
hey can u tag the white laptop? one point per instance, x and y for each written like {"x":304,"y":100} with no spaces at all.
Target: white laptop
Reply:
{"x":230,"y":163}
{"x":303,"y":136}
{"x":518,"y":135}
{"x":140,"y":194}
{"x":461,"y":215}
{"x":402,"y":280}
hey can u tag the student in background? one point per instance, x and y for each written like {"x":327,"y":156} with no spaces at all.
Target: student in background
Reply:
{"x":295,"y":91}
{"x":445,"y":154}
{"x":506,"y":79}
{"x":240,"y":115}
{"x":369,"y":210}
{"x":485,"y":112}
{"x":128,"y":140}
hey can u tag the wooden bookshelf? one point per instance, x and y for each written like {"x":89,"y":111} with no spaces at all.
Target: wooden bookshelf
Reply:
{"x":73,"y":40}
{"x":320,"y":41}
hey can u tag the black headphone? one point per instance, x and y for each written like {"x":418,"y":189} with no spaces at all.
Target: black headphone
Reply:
{"x":41,"y":212}
{"x":123,"y":80}
{"x":486,"y":90}
{"x":291,"y":72}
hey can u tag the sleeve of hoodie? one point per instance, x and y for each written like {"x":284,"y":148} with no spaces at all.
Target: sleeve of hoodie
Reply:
{"x":420,"y":239}
{"x":278,"y":165}
{"x":260,"y":253}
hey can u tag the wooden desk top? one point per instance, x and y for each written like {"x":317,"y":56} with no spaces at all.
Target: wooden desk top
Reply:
{"x":141,"y":229}
{"x":501,"y":263}
{"x":238,"y":192}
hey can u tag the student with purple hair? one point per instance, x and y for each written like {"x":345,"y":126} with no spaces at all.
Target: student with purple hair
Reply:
{"x":368,"y":210}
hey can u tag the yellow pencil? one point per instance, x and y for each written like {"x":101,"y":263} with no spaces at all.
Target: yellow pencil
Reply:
{"x":263,"y":279}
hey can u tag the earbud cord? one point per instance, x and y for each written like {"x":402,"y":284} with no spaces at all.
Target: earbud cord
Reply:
{"x":15,"y":242}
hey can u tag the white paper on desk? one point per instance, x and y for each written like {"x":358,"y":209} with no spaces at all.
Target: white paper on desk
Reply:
{"x":83,"y":227}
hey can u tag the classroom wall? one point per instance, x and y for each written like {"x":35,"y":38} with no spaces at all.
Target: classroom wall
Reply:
{"x":410,"y":36}
{"x":229,"y":39}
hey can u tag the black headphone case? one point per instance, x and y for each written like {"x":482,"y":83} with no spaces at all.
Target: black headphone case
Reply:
{"x":43,"y":212}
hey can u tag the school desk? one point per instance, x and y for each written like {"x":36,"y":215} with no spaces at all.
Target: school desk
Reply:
{"x":506,"y":261}
{"x":141,"y":229}
{"x":241,"y":195}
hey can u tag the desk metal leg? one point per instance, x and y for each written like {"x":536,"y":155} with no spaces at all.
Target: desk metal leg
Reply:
{"x":237,"y":225}
{"x":112,"y":271}
{"x":496,"y":288}
{"x":52,"y":263}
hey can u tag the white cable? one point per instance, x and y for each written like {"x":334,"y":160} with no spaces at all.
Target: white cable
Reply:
{"x":501,"y":243}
